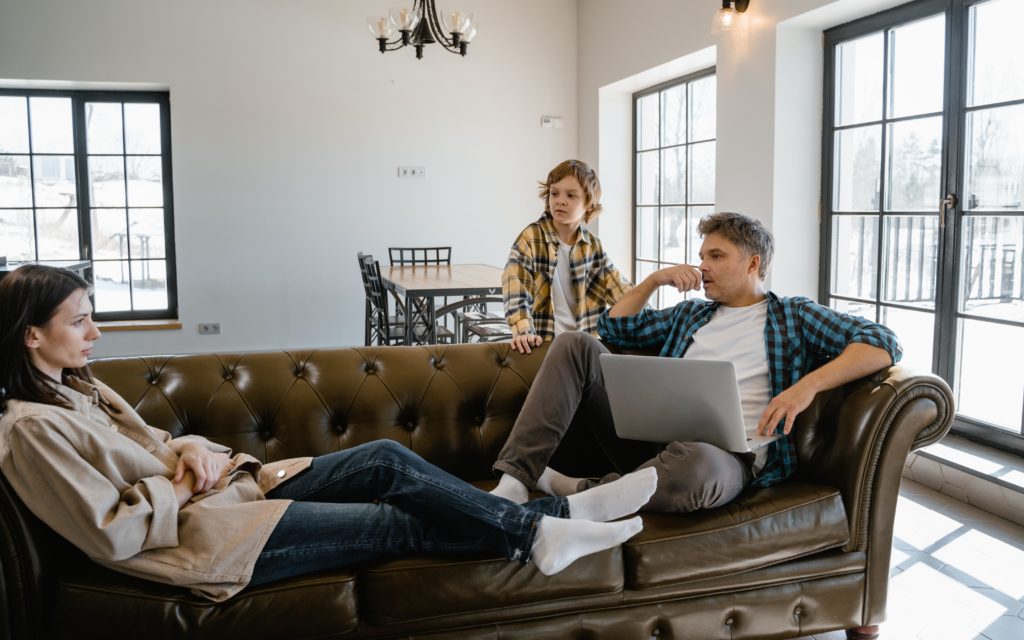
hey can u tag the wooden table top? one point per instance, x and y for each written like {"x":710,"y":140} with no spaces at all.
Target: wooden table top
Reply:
{"x":444,"y":279}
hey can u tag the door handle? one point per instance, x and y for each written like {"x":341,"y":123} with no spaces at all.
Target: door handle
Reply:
{"x":947,"y":203}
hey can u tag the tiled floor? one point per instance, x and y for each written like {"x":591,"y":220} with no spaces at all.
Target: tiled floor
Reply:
{"x":957,"y":572}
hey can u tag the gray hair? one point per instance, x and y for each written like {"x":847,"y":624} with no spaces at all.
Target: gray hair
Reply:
{"x":743,"y":231}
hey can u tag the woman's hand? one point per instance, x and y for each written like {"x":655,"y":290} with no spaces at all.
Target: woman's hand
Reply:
{"x":208,"y":467}
{"x":524,"y":341}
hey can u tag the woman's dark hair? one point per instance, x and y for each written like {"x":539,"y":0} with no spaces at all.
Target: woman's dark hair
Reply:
{"x":29,"y":296}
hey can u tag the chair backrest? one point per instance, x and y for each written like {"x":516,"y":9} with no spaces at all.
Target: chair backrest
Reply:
{"x":376,"y":298}
{"x":420,"y":255}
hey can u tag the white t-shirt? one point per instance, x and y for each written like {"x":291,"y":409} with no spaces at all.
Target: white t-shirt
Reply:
{"x":736,"y":334}
{"x":563,"y":295}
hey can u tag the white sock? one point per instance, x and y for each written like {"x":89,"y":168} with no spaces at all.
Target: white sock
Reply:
{"x":511,"y":489}
{"x":561,"y":542}
{"x":557,"y":484}
{"x":616,"y":499}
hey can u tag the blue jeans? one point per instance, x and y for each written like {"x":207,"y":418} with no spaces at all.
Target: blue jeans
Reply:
{"x":379,"y":500}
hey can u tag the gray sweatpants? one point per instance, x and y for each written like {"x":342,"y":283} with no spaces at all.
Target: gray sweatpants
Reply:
{"x":569,"y":391}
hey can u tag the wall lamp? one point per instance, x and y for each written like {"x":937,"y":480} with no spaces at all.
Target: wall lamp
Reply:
{"x":728,"y":17}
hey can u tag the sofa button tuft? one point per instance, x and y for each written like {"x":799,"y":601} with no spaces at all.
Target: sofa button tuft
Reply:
{"x":410,"y":426}
{"x":656,"y":632}
{"x":729,"y":621}
{"x":797,"y":611}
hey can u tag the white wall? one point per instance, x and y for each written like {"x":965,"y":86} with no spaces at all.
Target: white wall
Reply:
{"x":769,"y":109}
{"x":287,"y":130}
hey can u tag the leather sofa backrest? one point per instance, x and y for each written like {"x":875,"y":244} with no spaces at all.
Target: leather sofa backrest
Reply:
{"x":453,"y":405}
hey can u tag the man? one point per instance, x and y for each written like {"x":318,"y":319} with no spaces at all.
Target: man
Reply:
{"x":786,"y":350}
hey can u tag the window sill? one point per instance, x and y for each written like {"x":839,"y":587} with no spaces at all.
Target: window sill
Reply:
{"x":973,"y":473}
{"x":140,"y":325}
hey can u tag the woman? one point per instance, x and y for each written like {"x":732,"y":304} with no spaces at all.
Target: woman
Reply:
{"x":558,"y":277}
{"x":184,"y":511}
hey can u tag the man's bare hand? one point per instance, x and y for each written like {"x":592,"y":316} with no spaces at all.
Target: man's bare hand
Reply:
{"x":208,"y":467}
{"x":785,"y":406}
{"x":683,"y":277}
{"x":524,"y":341}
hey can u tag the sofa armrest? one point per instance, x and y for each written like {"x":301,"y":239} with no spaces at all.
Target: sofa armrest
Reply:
{"x":857,"y":438}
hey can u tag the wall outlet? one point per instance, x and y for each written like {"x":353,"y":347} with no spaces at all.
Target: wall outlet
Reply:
{"x":209,"y":328}
{"x":412,"y":172}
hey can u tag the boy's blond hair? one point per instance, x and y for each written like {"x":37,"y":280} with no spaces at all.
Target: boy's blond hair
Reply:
{"x":587,"y":178}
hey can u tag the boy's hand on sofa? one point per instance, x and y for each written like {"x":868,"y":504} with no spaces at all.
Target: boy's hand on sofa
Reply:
{"x":524,"y":341}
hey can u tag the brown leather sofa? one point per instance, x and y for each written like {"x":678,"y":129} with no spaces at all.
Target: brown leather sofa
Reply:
{"x":806,"y":556}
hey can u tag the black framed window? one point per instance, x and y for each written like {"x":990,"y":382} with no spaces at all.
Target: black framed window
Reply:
{"x":673,"y":174}
{"x":923,"y":171}
{"x":86,"y":175}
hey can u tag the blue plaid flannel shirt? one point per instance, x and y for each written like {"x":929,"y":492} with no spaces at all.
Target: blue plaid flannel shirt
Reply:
{"x":799,"y":335}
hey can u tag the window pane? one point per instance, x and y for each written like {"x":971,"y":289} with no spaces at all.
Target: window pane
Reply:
{"x":647,"y":178}
{"x":917,"y":51}
{"x":51,"y":125}
{"x":995,"y":158}
{"x":991,"y":276}
{"x":55,"y":181}
{"x":13,"y":124}
{"x":914,"y":163}
{"x":855,"y":308}
{"x":673,"y":115}
{"x":702,"y":173}
{"x":702,"y":108}
{"x":145,"y":188}
{"x":858,"y":167}
{"x":103,"y":127}
{"x":15,"y":188}
{"x":859,"y":77}
{"x":696,"y":213}
{"x":149,"y":284}
{"x":647,"y":233}
{"x":644,"y":269}
{"x":647,"y":122}
{"x":58,"y":234}
{"x":916,"y":331}
{"x":995,"y":73}
{"x":147,"y":238}
{"x":854,"y":254}
{"x":142,"y":128}
{"x":673,"y":234}
{"x":911,"y":256}
{"x":111,"y":286}
{"x":985,"y":391}
{"x":109,"y":234}
{"x":106,"y":181}
{"x":17,"y":239}
{"x":673,"y":177}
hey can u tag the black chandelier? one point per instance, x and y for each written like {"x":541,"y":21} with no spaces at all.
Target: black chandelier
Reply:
{"x":421,"y":26}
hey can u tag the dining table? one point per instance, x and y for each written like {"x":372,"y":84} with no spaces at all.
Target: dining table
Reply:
{"x":421,"y":284}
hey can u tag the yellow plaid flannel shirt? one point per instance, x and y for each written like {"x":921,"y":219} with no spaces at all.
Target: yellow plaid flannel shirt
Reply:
{"x":526,"y":282}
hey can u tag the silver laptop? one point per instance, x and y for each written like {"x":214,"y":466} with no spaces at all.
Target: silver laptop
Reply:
{"x":665,"y":399}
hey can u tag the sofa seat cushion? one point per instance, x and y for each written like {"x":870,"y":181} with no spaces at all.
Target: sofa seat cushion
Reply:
{"x":125,"y":607}
{"x":760,"y":528}
{"x":448,"y":586}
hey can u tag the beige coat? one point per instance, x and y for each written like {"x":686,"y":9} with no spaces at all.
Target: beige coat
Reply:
{"x":100,"y":477}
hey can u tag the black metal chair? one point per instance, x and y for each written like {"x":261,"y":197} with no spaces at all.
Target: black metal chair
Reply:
{"x":420,"y":255}
{"x":472,"y":322}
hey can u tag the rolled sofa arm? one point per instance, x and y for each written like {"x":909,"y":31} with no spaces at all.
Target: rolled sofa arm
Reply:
{"x":857,"y":438}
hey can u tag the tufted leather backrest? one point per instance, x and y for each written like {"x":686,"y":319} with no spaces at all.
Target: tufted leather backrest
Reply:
{"x":276,"y":405}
